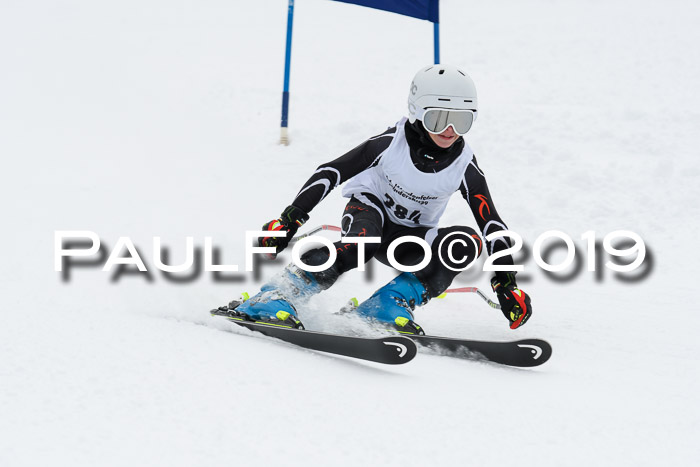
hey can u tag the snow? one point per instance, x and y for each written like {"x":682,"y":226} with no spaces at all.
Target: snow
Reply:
{"x":157,"y":118}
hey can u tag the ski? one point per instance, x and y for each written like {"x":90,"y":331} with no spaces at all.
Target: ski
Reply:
{"x":392,"y":350}
{"x":522,"y":353}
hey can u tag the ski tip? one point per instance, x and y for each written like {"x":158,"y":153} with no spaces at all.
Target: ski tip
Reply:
{"x":534,"y":352}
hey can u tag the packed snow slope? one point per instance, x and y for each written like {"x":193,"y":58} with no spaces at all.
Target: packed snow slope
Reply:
{"x":160,"y":118}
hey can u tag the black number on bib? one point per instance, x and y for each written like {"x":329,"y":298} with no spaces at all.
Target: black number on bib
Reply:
{"x":415,"y":216}
{"x":401,"y":212}
{"x":388,"y":202}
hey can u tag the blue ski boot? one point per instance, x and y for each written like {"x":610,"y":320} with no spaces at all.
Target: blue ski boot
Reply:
{"x":277,"y":300}
{"x":394,"y":303}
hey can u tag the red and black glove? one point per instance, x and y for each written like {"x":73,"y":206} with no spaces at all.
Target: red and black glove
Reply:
{"x":291,"y":219}
{"x":515,"y":304}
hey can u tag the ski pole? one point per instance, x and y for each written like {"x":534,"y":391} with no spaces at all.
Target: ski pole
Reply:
{"x":475,"y":290}
{"x":332,"y":228}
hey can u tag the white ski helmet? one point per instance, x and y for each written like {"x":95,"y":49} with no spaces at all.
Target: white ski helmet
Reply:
{"x":441,"y":86}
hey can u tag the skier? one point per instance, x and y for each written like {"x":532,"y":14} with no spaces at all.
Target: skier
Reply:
{"x":399,"y":183}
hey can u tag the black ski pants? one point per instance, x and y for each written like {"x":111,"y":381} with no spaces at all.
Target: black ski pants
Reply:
{"x":370,"y":219}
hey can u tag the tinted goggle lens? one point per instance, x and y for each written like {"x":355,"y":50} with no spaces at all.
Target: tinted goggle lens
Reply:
{"x":437,"y":120}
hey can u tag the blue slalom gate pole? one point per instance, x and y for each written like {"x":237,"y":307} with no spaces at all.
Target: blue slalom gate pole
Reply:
{"x":436,"y":35}
{"x":284,"y":136}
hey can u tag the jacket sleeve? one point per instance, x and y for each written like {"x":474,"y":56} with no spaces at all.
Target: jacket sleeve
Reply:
{"x":475,"y":190}
{"x":331,"y":174}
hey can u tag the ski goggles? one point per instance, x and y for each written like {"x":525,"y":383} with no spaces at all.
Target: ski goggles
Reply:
{"x":436,"y":120}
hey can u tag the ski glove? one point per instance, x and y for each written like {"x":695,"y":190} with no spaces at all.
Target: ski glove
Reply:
{"x":291,"y":219}
{"x":515,"y":304}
